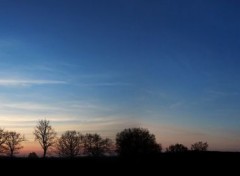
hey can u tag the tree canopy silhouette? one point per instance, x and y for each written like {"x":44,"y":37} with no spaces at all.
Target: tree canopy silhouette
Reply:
{"x":69,"y":144}
{"x":13,"y":143}
{"x":136,"y":142}
{"x":2,"y":140}
{"x":45,"y":135}
{"x":199,"y":146}
{"x":177,"y":148}
{"x":95,"y":145}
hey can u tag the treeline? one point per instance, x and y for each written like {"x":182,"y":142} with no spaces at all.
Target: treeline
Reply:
{"x":129,"y":142}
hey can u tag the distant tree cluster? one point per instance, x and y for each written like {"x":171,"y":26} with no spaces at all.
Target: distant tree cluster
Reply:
{"x":129,"y":142}
{"x":95,"y":145}
{"x":71,"y":143}
{"x":199,"y":146}
{"x":177,"y":148}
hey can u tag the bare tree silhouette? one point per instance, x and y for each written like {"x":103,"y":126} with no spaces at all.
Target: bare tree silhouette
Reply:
{"x":199,"y":146}
{"x":177,"y":148}
{"x":95,"y":145}
{"x":136,"y":142}
{"x":13,"y":143}
{"x":2,"y":140}
{"x":45,"y":135}
{"x":69,"y":144}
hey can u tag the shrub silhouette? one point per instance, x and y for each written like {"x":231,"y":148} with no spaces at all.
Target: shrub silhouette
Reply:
{"x":177,"y":148}
{"x":95,"y":145}
{"x":69,"y":144}
{"x":32,"y":155}
{"x":199,"y":146}
{"x":136,"y":142}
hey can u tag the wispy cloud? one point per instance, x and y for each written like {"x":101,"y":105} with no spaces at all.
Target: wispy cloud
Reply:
{"x":29,"y":82}
{"x":103,"y":84}
{"x":28,"y":106}
{"x":222,"y":93}
{"x":71,"y":106}
{"x":213,"y":95}
{"x":66,"y":108}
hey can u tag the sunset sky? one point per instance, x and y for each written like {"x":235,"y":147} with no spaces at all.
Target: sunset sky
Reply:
{"x":104,"y":65}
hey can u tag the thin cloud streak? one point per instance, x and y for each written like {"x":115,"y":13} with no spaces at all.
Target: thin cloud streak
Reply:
{"x":103,"y":84}
{"x":23,"y":82}
{"x":59,"y":107}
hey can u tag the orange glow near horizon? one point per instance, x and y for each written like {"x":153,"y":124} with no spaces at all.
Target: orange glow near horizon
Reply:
{"x":165,"y":134}
{"x":29,"y":147}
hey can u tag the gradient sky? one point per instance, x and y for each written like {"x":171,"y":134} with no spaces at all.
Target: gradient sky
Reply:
{"x":101,"y":66}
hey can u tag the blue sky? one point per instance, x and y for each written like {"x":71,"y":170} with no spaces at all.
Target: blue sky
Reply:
{"x":101,"y":66}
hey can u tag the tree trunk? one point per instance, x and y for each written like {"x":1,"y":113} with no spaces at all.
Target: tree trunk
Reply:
{"x":11,"y":153}
{"x":44,"y":153}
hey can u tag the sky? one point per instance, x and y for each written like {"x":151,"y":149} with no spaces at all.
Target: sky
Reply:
{"x":101,"y":66}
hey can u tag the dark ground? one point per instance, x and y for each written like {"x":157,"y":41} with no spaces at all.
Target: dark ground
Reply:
{"x":182,"y":163}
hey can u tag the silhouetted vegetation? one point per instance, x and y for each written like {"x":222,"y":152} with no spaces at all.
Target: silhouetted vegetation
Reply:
{"x":95,"y":145}
{"x":13,"y":142}
{"x":88,"y":152}
{"x":69,"y":144}
{"x":177,"y":148}
{"x":199,"y":146}
{"x":32,"y":155}
{"x":171,"y":163}
{"x":45,"y":135}
{"x":132,"y":142}
{"x":136,"y":142}
{"x":2,"y":139}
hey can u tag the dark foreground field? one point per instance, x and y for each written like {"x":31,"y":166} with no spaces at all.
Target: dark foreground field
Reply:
{"x":199,"y":162}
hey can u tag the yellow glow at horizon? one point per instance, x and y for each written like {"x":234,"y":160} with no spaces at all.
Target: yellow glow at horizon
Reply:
{"x":166,"y":134}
